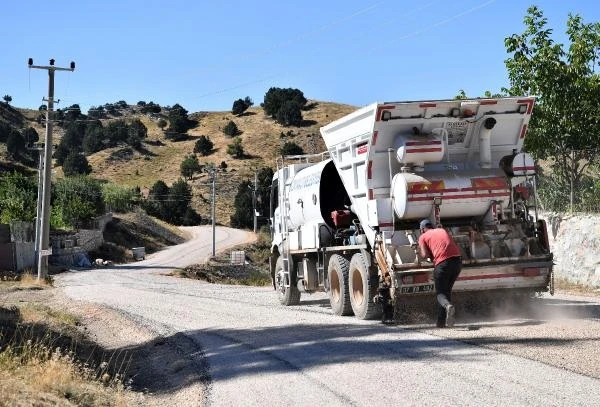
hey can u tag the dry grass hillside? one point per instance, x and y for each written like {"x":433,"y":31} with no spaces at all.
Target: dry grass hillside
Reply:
{"x":161,"y":158}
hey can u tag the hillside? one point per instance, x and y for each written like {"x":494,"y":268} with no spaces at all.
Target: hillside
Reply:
{"x":160,"y":158}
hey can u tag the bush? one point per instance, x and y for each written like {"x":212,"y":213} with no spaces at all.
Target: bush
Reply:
{"x":92,"y":141}
{"x":203,"y":146}
{"x":241,"y":105}
{"x":275,"y":98}
{"x":18,"y":197}
{"x":15,"y":143}
{"x":231,"y":129}
{"x":76,"y":164}
{"x":290,"y":113}
{"x":235,"y":149}
{"x":136,"y":133}
{"x":243,"y":215}
{"x":77,"y":199}
{"x":291,"y":148}
{"x":178,"y":119}
{"x":118,"y":198}
{"x":190,"y":166}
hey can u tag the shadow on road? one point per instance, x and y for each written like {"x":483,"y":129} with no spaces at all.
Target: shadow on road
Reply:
{"x":165,"y":364}
{"x":203,"y":356}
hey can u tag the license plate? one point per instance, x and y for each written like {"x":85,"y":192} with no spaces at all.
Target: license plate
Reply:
{"x":417,"y":289}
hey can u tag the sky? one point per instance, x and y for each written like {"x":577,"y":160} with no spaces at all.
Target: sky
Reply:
{"x":206,"y":54}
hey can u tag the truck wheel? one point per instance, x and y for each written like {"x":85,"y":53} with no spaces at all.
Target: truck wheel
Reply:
{"x":363,"y":288}
{"x":287,"y":295}
{"x":339,"y":293}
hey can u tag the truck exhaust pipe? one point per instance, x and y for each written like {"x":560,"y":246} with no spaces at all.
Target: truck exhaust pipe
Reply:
{"x":485,"y":143}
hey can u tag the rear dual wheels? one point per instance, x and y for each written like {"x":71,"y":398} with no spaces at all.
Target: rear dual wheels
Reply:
{"x":352,"y":288}
{"x":363,"y":288}
{"x":339,"y":291}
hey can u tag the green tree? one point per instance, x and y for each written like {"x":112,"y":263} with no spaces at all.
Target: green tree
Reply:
{"x":180,"y":197}
{"x":7,"y":99}
{"x":191,"y":217}
{"x":263,"y":191}
{"x":276,"y":97}
{"x":162,"y":123}
{"x":15,"y":143}
{"x":77,"y":199}
{"x":118,"y":198}
{"x":235,"y":149}
{"x":291,"y":148}
{"x":73,"y":112}
{"x":566,"y":119}
{"x":178,"y":119}
{"x":4,"y":131}
{"x":71,"y":142}
{"x":75,"y":164}
{"x":158,"y":196}
{"x":31,"y":136}
{"x":290,"y":113}
{"x":92,"y":140}
{"x":136,"y":133}
{"x":96,"y":112}
{"x":190,"y":166}
{"x":116,"y":132}
{"x":18,"y":197}
{"x":244,"y":210}
{"x":203,"y":146}
{"x":241,"y":105}
{"x":231,"y":129}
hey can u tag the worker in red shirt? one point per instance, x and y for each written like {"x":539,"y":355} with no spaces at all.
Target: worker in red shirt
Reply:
{"x":437,"y":244}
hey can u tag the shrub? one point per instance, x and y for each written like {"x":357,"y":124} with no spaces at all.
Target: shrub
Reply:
{"x":190,"y":166}
{"x":275,"y":98}
{"x":291,"y":148}
{"x":241,"y":105}
{"x":203,"y":146}
{"x":118,"y":198}
{"x":76,"y":164}
{"x":290,"y":113}
{"x":235,"y":149}
{"x":231,"y":129}
{"x":77,"y":199}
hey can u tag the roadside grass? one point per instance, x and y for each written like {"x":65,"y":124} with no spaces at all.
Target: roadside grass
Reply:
{"x":254,"y":272}
{"x":45,"y":361}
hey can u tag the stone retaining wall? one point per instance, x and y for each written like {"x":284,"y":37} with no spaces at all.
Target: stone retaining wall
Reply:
{"x":575,"y":242}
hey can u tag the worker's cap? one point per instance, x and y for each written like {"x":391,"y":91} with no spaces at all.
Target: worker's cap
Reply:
{"x":425,"y":223}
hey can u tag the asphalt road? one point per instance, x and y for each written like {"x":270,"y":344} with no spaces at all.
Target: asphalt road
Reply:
{"x":248,"y":350}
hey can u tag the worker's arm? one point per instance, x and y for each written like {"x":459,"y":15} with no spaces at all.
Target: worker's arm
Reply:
{"x":424,"y":250}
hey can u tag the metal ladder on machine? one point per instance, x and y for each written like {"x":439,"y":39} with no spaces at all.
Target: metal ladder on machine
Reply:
{"x":285,"y":257}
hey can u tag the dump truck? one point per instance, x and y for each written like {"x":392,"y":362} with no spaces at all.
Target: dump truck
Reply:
{"x":346,"y":221}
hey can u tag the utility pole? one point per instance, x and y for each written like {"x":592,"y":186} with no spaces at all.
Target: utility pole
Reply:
{"x":254,"y":200}
{"x":44,"y":222}
{"x":213,"y":174}
{"x":38,"y":213}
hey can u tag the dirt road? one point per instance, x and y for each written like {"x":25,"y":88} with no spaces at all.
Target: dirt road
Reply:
{"x":232,"y":345}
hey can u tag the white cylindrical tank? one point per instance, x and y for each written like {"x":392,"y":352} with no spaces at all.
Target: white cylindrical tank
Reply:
{"x":418,"y":150}
{"x":462,"y":196}
{"x":313,"y":194}
{"x":518,"y":165}
{"x":304,"y":196}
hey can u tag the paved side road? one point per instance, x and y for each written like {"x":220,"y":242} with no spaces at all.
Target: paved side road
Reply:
{"x":237,"y":346}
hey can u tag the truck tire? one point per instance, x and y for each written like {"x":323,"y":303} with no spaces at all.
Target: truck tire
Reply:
{"x":363,"y":289}
{"x":339,"y":292}
{"x":287,"y":295}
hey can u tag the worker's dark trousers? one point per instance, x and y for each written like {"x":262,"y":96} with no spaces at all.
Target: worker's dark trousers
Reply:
{"x":445,"y":274}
